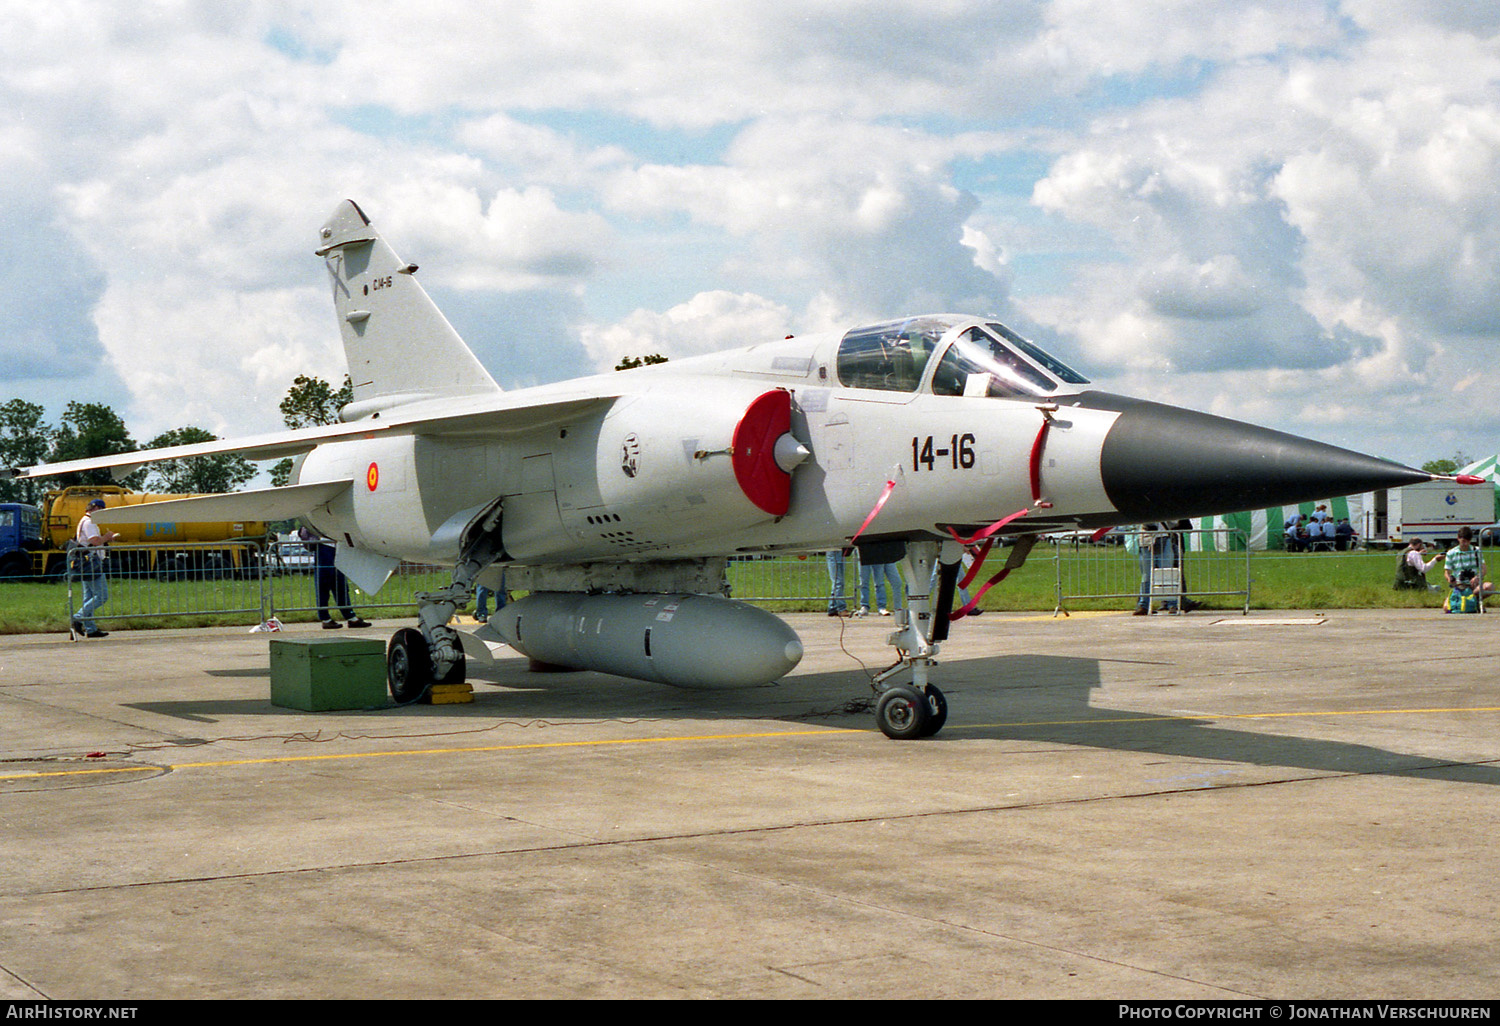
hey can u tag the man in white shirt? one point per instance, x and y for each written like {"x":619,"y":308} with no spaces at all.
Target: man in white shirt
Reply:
{"x":91,"y":541}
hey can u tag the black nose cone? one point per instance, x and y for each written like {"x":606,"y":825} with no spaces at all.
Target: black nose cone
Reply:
{"x":1161,"y":462}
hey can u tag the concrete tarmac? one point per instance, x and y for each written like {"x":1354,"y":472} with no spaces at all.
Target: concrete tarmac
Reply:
{"x":1209,"y":806}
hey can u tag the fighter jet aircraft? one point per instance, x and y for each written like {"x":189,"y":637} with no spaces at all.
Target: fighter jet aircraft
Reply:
{"x":616,"y":500}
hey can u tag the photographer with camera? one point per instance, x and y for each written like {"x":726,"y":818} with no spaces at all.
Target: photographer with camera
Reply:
{"x":1463,"y":568}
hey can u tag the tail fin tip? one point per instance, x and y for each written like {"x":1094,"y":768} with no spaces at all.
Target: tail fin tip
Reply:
{"x":398,"y":344}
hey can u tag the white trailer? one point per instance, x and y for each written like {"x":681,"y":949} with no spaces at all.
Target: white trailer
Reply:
{"x":1431,"y":510}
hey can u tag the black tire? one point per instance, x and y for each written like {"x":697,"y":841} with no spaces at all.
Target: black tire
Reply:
{"x":902,"y":714}
{"x":937,"y":711}
{"x":408,"y":666}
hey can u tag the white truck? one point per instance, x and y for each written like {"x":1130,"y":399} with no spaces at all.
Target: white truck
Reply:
{"x":1431,"y":510}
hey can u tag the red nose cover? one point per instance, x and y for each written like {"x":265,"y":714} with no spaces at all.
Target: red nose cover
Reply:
{"x":763,"y":482}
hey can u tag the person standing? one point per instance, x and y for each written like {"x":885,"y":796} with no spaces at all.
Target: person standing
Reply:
{"x":886,"y":578}
{"x":965,"y":563}
{"x":837,"y":606}
{"x":90,"y":567}
{"x":330,"y":583}
{"x":1155,"y":553}
{"x":482,"y":596}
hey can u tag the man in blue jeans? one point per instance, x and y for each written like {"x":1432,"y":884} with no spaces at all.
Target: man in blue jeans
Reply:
{"x":886,"y":578}
{"x":836,"y":604}
{"x":482,"y":596}
{"x":90,"y":558}
{"x":331,"y":584}
{"x":1158,"y":551}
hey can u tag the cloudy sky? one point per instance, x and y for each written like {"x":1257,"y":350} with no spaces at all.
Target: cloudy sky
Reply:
{"x":1283,"y":211}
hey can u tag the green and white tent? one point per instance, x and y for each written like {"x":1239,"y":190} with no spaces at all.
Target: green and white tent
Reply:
{"x":1266,"y":528}
{"x":1485,"y":468}
{"x":1262,"y":529}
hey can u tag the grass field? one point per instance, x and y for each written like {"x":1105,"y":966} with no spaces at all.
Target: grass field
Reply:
{"x":1314,"y":581}
{"x":28,"y":607}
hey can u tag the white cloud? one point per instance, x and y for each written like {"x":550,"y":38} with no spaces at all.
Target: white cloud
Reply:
{"x":1111,"y":38}
{"x":219,"y":359}
{"x":707,"y":323}
{"x":868,"y":211}
{"x":533,"y":153}
{"x":727,"y":62}
{"x":1254,"y":230}
{"x":519,"y":240}
{"x":1393,"y":198}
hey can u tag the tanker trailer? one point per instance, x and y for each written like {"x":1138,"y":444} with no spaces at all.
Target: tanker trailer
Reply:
{"x":166,"y":549}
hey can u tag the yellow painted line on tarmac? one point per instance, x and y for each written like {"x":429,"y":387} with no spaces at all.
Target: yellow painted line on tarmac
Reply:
{"x":429,"y":751}
{"x":1107,"y":720}
{"x":33,"y":774}
{"x":695,"y":738}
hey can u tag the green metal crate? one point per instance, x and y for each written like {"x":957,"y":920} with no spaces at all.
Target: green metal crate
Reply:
{"x":319,"y":674}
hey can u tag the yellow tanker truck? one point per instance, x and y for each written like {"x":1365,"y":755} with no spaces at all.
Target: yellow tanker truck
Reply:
{"x":166,"y":549}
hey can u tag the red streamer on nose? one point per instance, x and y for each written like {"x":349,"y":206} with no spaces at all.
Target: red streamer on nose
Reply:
{"x":1034,"y":466}
{"x":890,"y":486}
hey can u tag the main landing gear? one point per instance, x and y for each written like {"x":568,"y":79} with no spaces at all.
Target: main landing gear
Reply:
{"x":409,"y":668}
{"x":918,"y":709}
{"x":416,"y":659}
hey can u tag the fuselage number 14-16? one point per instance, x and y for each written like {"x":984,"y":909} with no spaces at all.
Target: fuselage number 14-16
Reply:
{"x":958,"y":454}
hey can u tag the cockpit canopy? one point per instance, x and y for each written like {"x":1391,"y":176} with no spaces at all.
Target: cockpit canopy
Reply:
{"x":977,"y":359}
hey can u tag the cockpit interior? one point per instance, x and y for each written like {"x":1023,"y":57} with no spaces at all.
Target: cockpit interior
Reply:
{"x":951,"y":356}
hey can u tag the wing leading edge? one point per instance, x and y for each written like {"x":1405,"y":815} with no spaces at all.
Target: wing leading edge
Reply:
{"x":261,"y":504}
{"x":491,"y":420}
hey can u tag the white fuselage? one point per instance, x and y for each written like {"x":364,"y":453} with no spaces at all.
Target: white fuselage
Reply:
{"x":647,"y":476}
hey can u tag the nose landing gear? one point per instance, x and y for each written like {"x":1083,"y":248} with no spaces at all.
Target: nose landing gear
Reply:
{"x":918,"y":709}
{"x":904,"y":713}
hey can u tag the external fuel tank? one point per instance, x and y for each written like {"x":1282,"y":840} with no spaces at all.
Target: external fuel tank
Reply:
{"x":691,"y":641}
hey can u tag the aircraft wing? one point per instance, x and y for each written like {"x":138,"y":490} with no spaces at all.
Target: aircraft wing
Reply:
{"x":256,"y":447}
{"x":494,"y":417}
{"x":261,"y":504}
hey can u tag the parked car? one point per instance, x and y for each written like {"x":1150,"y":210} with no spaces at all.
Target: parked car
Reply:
{"x":288,"y":554}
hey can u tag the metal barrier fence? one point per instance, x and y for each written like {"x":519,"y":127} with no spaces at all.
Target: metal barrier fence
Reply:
{"x":234,"y":579}
{"x":197,"y":578}
{"x":801,"y":580}
{"x":256,"y":579}
{"x":798,"y":579}
{"x":1170,"y":569}
{"x":292,"y":585}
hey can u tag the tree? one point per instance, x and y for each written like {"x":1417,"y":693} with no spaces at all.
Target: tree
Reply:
{"x":222,"y":473}
{"x":312,"y":401}
{"x":88,"y":430}
{"x":24,"y":442}
{"x":1448,"y":467}
{"x":640,"y":361}
{"x":308,"y":403}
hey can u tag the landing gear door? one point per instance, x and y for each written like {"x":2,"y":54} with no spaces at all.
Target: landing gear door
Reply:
{"x":533,"y":526}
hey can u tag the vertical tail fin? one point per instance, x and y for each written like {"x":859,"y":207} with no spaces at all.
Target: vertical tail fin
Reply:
{"x":398,"y":344}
